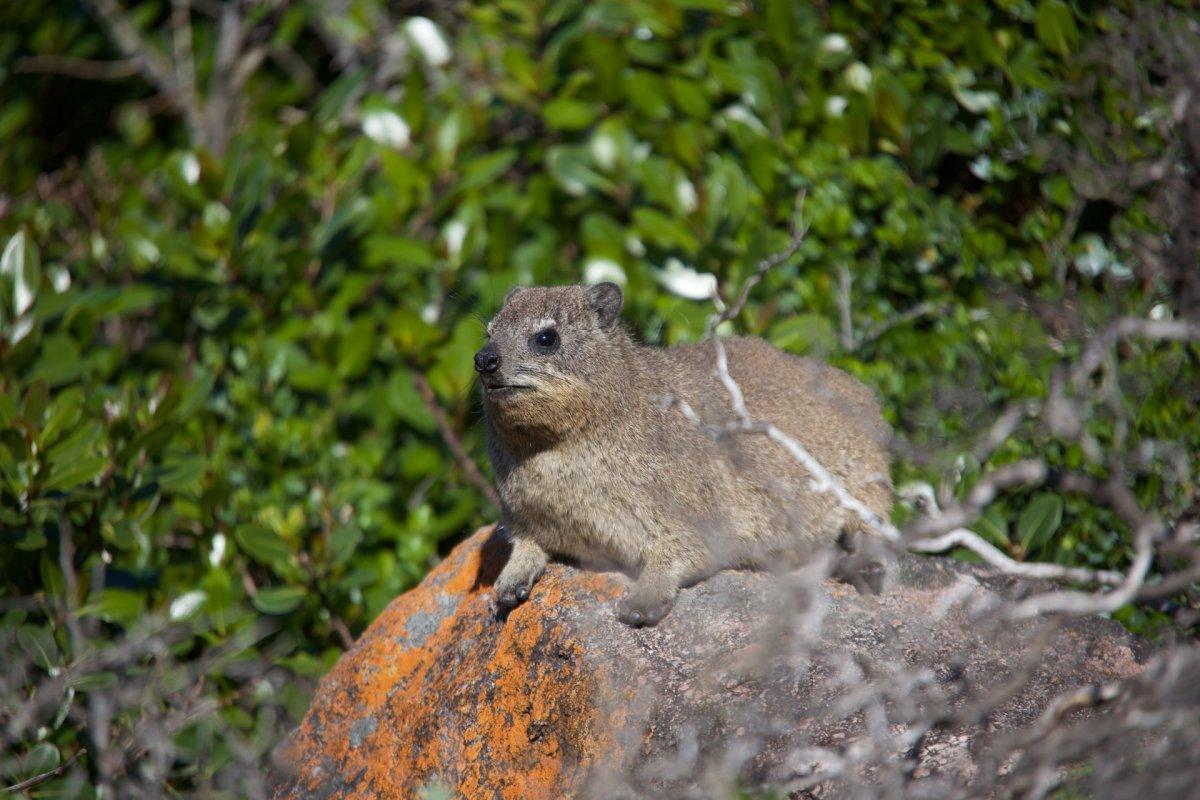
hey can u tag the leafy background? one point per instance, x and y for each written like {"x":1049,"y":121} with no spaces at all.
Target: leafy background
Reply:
{"x":236,"y":344}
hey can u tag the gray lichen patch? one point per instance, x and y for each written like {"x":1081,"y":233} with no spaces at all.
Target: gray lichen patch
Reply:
{"x":423,"y":624}
{"x":361,"y":730}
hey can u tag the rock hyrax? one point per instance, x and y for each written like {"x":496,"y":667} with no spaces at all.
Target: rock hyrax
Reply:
{"x":592,"y":465}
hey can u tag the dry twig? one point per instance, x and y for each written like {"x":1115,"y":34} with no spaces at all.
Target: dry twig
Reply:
{"x":945,"y":530}
{"x":453,"y":441}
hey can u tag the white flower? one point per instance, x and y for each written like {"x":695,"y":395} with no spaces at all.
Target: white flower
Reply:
{"x":455,"y":233}
{"x":981,"y":168}
{"x":60,"y":279}
{"x":642,"y":33}
{"x":386,"y":127}
{"x":604,"y":150}
{"x":835,"y":43}
{"x":634,"y":246}
{"x":685,"y":195}
{"x":20,"y":329}
{"x":1094,"y":258}
{"x":12,"y":262}
{"x":686,"y":282}
{"x":739,"y":112}
{"x":428,"y":38}
{"x":147,"y":249}
{"x":835,"y":105}
{"x":430,"y":313}
{"x":976,"y":102}
{"x":189,"y":167}
{"x":187,"y":604}
{"x":98,"y":246}
{"x":218,"y":550}
{"x":599,"y":270}
{"x":1160,"y":311}
{"x":215,"y":215}
{"x":858,"y":76}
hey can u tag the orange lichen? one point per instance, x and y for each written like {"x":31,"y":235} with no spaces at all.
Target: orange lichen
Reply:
{"x":440,"y":691}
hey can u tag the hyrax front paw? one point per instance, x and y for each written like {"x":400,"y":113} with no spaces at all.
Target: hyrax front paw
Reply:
{"x":513,"y":587}
{"x":639,"y":609}
{"x":525,"y":565}
{"x":509,"y":597}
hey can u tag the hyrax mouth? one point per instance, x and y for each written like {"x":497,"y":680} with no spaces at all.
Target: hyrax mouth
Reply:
{"x":504,"y":389}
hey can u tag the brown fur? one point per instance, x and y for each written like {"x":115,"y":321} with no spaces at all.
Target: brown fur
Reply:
{"x":592,"y":466}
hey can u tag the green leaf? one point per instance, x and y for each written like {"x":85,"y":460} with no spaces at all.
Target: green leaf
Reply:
{"x":1055,"y":26}
{"x":690,"y":98}
{"x":571,"y":167}
{"x":1039,"y":521}
{"x":342,"y":544}
{"x":356,"y":348}
{"x":397,"y":251}
{"x":38,"y":644}
{"x":263,"y":545}
{"x":805,"y":333}
{"x":121,"y":606}
{"x":486,"y":168}
{"x":568,"y":114}
{"x":178,"y":474}
{"x":64,"y":412}
{"x":406,"y":403}
{"x":310,"y":376}
{"x":278,"y":600}
{"x":41,"y":758}
{"x":70,"y":474}
{"x":8,"y":409}
{"x":92,"y":681}
{"x":60,"y":361}
{"x":71,"y":448}
{"x":993,"y":526}
{"x":195,"y":394}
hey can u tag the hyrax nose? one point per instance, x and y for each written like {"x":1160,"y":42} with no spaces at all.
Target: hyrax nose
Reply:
{"x":487,"y":360}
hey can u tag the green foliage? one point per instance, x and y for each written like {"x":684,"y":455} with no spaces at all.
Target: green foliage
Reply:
{"x":210,"y":359}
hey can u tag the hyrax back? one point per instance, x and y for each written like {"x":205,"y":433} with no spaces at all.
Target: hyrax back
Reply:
{"x":594,"y":462}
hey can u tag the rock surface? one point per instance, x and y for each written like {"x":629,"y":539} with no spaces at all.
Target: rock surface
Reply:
{"x":739,"y":685}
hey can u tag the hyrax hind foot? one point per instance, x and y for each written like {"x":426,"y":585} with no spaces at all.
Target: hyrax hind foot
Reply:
{"x":525,"y":565}
{"x":650,"y":599}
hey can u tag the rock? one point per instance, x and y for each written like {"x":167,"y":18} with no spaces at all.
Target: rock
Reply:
{"x":751,"y":680}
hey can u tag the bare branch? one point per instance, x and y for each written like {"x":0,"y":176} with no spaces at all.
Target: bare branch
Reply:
{"x":155,"y":66}
{"x":961,"y":537}
{"x":846,"y":331}
{"x":452,"y":440}
{"x":38,"y":780}
{"x":799,"y":231}
{"x":84,"y":68}
{"x":846,"y":336}
{"x":877,"y":330}
{"x":944,"y":530}
{"x":1128,"y":328}
{"x":1084,"y":603}
{"x":181,"y":37}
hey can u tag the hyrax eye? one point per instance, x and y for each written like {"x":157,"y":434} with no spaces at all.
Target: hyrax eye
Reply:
{"x":545,"y":341}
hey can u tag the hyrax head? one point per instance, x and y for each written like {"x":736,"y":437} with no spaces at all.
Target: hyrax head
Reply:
{"x":549,"y":356}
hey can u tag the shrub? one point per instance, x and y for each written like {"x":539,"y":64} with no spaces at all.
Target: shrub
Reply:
{"x":238,"y":310}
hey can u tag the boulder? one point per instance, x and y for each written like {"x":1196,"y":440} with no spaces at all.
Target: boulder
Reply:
{"x":753,"y":680}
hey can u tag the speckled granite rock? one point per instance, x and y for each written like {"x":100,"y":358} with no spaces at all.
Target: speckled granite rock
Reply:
{"x":562,"y":700}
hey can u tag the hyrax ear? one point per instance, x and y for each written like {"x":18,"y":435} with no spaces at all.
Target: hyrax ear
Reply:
{"x":607,"y":299}
{"x":511,"y":294}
